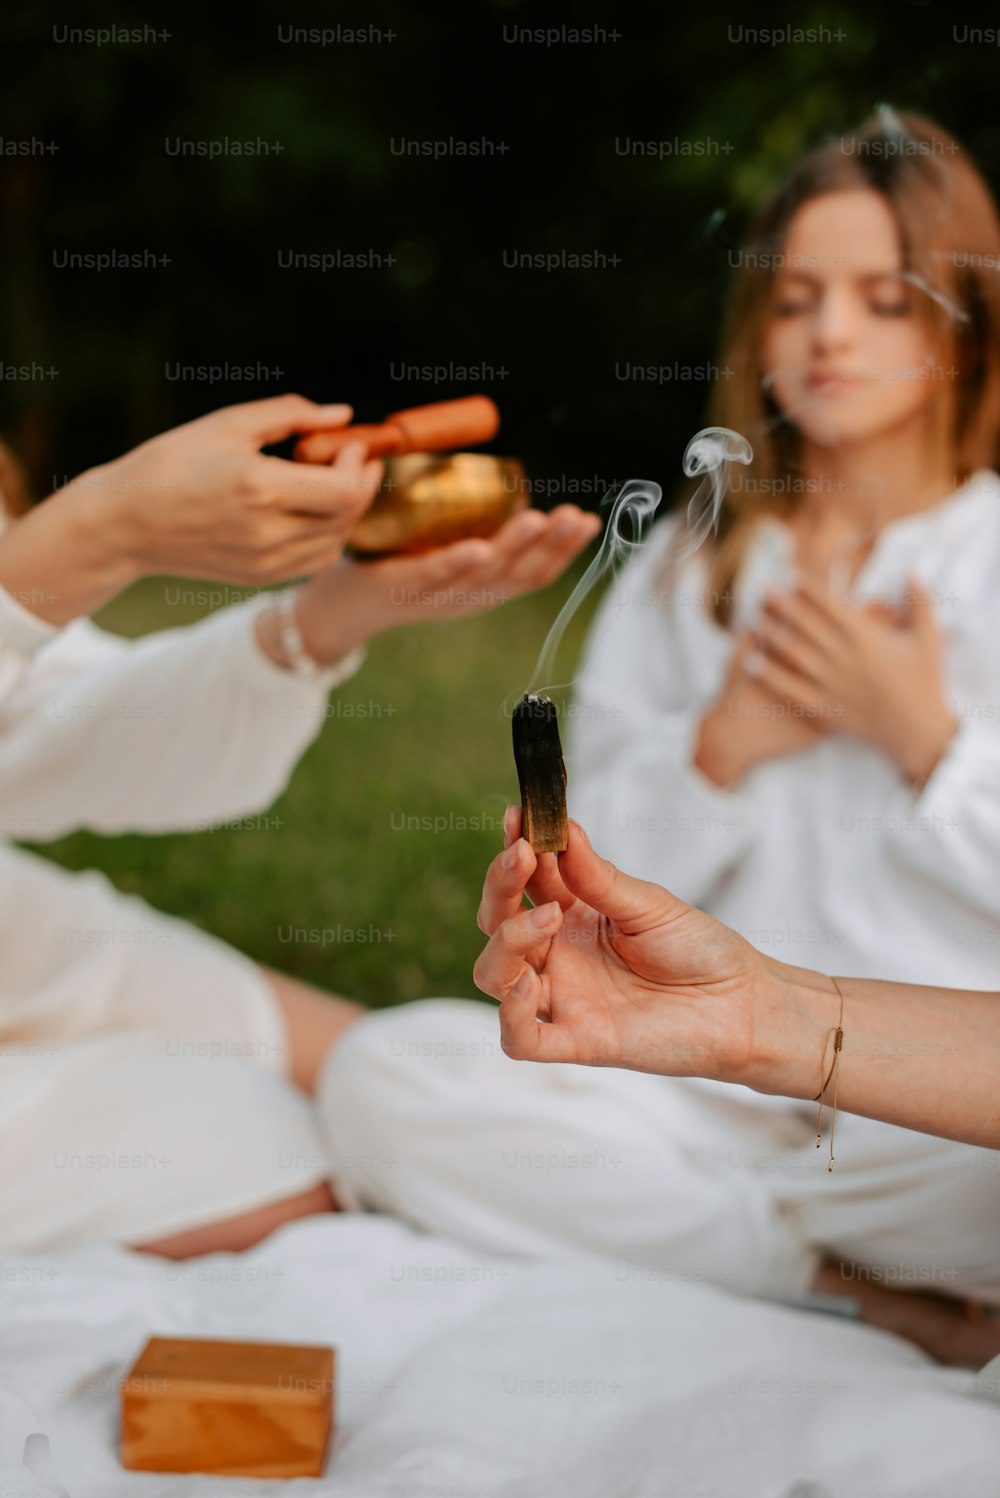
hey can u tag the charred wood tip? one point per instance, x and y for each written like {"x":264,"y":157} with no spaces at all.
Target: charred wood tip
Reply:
{"x":541,"y":773}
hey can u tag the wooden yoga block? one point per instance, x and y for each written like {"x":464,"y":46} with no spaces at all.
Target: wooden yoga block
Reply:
{"x":237,"y":1409}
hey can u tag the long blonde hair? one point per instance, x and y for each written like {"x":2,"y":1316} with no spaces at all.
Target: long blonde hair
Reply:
{"x":950,"y":237}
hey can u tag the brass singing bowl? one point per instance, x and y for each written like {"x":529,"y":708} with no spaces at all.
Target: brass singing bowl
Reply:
{"x":429,"y":499}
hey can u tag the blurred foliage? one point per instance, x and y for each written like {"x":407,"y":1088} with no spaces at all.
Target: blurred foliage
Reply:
{"x":563,"y":184}
{"x":335,"y":111}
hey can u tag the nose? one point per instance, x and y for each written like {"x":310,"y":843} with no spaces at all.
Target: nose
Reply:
{"x":834,"y":321}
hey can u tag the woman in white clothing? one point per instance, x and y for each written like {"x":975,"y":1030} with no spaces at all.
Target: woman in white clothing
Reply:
{"x":153,"y":1081}
{"x":798,"y":728}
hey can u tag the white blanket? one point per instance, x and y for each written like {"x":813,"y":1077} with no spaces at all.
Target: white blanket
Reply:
{"x":462,"y":1377}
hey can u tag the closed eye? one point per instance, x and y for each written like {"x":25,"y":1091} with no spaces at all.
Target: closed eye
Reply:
{"x":790,"y":308}
{"x":891,"y":309}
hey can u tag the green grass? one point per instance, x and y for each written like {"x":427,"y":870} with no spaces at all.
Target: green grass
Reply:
{"x":381,"y":841}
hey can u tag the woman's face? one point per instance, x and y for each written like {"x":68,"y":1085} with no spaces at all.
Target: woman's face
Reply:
{"x":847,"y":358}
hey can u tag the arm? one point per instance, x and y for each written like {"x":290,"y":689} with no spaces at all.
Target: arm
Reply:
{"x":609,"y":970}
{"x":345,"y":605}
{"x":924,"y":1058}
{"x":182,"y":729}
{"x":884,"y":676}
{"x":85,"y":718}
{"x":199,"y":501}
{"x":194,"y":726}
{"x":948,"y":831}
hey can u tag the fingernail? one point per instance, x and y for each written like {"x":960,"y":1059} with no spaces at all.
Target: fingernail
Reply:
{"x":543,"y":915}
{"x":338,"y":412}
{"x":754,"y":663}
{"x":509,"y":859}
{"x":522,"y":987}
{"x":508,"y":823}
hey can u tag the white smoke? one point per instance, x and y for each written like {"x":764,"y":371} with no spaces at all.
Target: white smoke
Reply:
{"x":709,"y":455}
{"x":710,"y":452}
{"x":636,"y":501}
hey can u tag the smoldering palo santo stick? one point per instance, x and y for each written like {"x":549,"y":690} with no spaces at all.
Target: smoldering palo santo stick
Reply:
{"x":541,"y":774}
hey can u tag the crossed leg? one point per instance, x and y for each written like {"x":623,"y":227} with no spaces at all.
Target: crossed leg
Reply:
{"x":950,"y":1330}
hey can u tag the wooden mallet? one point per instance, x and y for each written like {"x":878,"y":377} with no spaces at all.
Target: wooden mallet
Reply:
{"x":445,"y":425}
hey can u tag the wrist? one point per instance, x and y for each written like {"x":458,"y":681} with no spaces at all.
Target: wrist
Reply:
{"x":717,"y":752}
{"x":279,"y":632}
{"x":267,"y":632}
{"x":925,"y":745}
{"x":794,"y":1011}
{"x":332,"y":618}
{"x":103,"y":529}
{"x":64,"y":557}
{"x":102,"y":523}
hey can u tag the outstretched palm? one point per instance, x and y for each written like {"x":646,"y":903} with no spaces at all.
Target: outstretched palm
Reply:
{"x":465,"y":577}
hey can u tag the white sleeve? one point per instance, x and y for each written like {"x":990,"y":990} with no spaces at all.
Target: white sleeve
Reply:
{"x":182,"y":729}
{"x":950,"y":831}
{"x":631,"y":781}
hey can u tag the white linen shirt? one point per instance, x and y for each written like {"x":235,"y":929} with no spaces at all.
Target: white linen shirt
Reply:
{"x":827,"y":858}
{"x":180,"y":730}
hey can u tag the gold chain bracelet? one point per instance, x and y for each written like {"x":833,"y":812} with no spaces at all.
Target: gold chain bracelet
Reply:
{"x":838,"y":1043}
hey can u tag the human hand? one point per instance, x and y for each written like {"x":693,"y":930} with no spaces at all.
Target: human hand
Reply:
{"x":879,"y":674}
{"x":750,"y":723}
{"x":202,"y":500}
{"x":608,"y":970}
{"x":351,"y":602}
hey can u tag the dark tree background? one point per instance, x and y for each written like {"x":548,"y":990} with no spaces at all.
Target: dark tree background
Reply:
{"x":732,"y":112}
{"x":726,"y":113}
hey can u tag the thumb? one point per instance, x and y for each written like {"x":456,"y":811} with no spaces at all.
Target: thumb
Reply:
{"x":633,"y":904}
{"x":280,"y":416}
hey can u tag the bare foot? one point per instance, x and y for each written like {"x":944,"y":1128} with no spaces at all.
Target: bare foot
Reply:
{"x":958,"y":1332}
{"x":235,"y":1234}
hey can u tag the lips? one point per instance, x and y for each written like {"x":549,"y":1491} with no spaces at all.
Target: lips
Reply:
{"x":829,"y":381}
